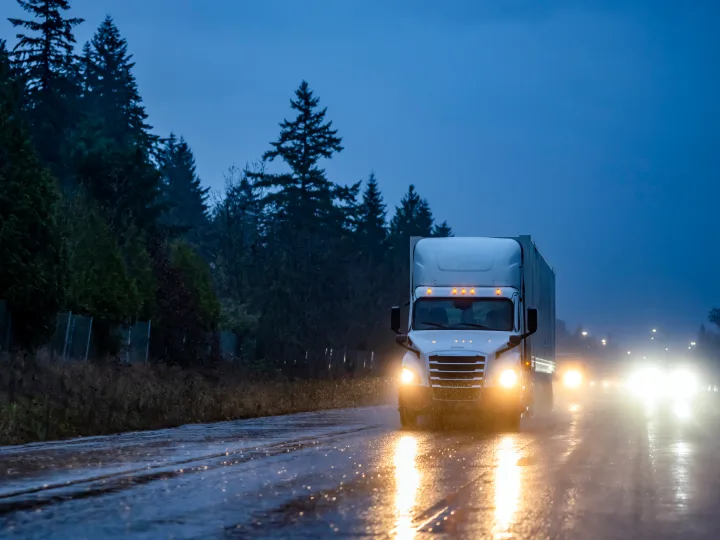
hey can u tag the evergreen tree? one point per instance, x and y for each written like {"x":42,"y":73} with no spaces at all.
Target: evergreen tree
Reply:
{"x":304,"y":195}
{"x":714,"y":317}
{"x":99,"y":282}
{"x":372,"y":228}
{"x":123,"y":180}
{"x":412,"y":218}
{"x":31,"y":262}
{"x":188,"y":310}
{"x":111,"y":91}
{"x":45,"y":54}
{"x":112,"y":145}
{"x":442,"y":231}
{"x":236,"y":237}
{"x":184,"y":195}
{"x":307,"y":228}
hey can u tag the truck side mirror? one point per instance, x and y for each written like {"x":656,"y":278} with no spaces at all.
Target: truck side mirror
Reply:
{"x":532,"y":321}
{"x":395,"y":319}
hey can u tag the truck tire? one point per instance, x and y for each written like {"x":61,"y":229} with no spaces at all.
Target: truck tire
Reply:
{"x":408,"y":419}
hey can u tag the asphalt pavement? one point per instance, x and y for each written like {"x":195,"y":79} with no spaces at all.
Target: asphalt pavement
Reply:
{"x":600,"y":467}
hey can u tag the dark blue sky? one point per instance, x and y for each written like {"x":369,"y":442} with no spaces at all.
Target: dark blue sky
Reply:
{"x":593,"y":128}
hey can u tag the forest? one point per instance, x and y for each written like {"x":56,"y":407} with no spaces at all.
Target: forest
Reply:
{"x":102,"y":216}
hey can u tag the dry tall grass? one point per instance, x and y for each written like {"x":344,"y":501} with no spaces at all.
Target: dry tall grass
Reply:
{"x":42,"y":400}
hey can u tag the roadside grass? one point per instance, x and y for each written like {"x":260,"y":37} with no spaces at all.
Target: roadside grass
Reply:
{"x":42,"y":400}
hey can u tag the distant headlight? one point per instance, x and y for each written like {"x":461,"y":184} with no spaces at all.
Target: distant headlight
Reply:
{"x":684,"y":383}
{"x":572,"y":379}
{"x":408,"y":376}
{"x":508,"y":378}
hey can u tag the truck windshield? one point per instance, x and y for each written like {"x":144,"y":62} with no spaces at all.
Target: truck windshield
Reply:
{"x":463,"y":313}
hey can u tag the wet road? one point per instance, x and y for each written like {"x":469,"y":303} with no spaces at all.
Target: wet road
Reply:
{"x":601,"y":469}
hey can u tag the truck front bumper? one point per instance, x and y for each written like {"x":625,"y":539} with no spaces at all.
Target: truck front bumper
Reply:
{"x":423,"y":399}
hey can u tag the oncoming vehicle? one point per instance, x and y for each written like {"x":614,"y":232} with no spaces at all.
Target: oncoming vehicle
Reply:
{"x":680,"y":388}
{"x":572,"y":374}
{"x":481,"y":335}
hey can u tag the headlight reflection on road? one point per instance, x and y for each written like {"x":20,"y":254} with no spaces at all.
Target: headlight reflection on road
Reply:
{"x":507,"y":487}
{"x":407,"y":482}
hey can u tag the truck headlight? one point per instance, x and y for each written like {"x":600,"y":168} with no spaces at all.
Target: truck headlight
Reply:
{"x":572,"y":379}
{"x":508,"y":378}
{"x":408,"y":376}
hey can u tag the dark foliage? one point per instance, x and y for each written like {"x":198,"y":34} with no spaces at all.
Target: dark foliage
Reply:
{"x":289,"y":259}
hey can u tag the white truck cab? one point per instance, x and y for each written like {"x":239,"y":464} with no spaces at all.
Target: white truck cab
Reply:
{"x":481,"y":329}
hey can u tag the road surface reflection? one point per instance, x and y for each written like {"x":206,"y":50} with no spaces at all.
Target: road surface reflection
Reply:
{"x":507,"y":487}
{"x":407,"y":482}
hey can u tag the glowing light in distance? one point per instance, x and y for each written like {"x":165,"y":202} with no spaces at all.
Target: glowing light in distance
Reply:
{"x":685,"y":383}
{"x":572,"y":379}
{"x":648,"y":382}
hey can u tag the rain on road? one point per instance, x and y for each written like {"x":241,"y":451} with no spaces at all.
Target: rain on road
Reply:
{"x":601,"y":469}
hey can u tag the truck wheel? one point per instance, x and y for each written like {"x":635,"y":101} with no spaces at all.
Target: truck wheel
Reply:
{"x":408,"y":419}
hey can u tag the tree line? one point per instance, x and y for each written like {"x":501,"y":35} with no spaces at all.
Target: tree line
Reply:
{"x":101,"y":216}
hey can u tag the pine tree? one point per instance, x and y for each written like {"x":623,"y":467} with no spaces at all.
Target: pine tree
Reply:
{"x":111,"y":91}
{"x":307,"y":230}
{"x":714,"y":316}
{"x":112,"y":144}
{"x":304,"y":195}
{"x":235,"y":240}
{"x":442,"y":231}
{"x":31,"y":259}
{"x":183,"y":192}
{"x":123,"y":181}
{"x":45,"y":55}
{"x":236,"y":236}
{"x":372,"y":229}
{"x":412,"y":218}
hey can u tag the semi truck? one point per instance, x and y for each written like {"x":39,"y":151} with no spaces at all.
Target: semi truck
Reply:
{"x":480,"y":330}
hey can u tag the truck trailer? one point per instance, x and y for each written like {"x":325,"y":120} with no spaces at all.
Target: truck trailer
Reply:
{"x":481,"y":330}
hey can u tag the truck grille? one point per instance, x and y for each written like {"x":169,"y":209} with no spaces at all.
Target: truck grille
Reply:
{"x":456,"y":378}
